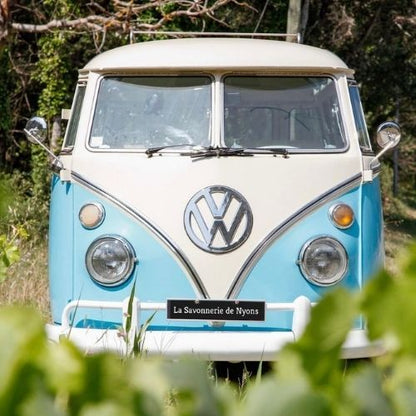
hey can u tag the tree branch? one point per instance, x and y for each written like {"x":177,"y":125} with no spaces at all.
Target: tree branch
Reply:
{"x":90,"y":22}
{"x":126,"y":16}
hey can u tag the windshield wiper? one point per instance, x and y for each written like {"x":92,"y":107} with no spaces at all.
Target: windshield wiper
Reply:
{"x":150,"y":151}
{"x":233,"y":151}
{"x":216,"y":152}
{"x":198,"y":151}
{"x":268,"y":150}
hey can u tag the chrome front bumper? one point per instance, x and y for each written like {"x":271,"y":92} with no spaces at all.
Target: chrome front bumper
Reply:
{"x":210,"y":345}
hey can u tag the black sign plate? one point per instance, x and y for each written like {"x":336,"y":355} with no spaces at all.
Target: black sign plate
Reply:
{"x":216,"y":310}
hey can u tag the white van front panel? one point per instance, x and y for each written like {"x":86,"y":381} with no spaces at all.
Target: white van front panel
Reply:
{"x":160,"y":188}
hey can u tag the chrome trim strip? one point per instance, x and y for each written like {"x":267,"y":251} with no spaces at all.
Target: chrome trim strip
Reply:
{"x":282,"y":228}
{"x":157,"y":232}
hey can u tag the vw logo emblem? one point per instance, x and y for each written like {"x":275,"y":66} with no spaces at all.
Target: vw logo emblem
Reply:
{"x":218,"y":219}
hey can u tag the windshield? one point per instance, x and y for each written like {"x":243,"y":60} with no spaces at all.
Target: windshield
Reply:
{"x":144,"y":112}
{"x":296,"y":113}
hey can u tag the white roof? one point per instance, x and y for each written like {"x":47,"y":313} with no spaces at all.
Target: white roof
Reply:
{"x":217,"y":53}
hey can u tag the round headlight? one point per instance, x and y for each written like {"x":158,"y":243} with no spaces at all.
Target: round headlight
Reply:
{"x":110,"y":260}
{"x":323,"y":261}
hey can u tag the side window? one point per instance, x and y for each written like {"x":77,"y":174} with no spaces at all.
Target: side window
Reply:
{"x":359,"y":119}
{"x":71,"y":131}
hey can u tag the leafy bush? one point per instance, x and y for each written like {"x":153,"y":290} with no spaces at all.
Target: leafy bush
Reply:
{"x":26,"y":203}
{"x":23,"y":212}
{"x":309,"y":379}
{"x":392,"y":205}
{"x":9,"y":253}
{"x":5,"y":198}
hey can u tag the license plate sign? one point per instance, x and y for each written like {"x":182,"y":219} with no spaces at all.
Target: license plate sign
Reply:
{"x":216,"y":310}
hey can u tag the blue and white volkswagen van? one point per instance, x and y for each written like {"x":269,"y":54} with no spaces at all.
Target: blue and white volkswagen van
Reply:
{"x":210,"y":191}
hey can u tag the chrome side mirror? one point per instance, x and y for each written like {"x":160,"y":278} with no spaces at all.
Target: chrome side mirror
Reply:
{"x":388,"y":137}
{"x":388,"y":134}
{"x":36,"y":132}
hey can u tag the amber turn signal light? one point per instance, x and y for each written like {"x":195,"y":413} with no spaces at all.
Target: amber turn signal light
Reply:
{"x":91,"y":215}
{"x":342,"y":215}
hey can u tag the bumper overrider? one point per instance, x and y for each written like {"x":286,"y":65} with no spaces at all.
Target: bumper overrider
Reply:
{"x":209,"y":345}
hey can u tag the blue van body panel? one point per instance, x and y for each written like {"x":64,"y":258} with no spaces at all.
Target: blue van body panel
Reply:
{"x":158,"y":275}
{"x":277,"y":277}
{"x":372,"y":229}
{"x":61,"y":247}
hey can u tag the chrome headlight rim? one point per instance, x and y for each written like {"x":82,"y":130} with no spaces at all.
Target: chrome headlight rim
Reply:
{"x":339,"y":276}
{"x":130,"y":258}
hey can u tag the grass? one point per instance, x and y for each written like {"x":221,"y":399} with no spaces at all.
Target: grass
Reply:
{"x":27,"y":282}
{"x":400,"y":230}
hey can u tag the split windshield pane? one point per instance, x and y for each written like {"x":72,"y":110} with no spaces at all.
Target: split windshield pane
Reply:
{"x":299,"y":113}
{"x":144,"y":112}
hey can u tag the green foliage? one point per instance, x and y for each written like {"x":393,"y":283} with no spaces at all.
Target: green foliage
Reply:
{"x":22,"y":346}
{"x":10,"y":234}
{"x":40,"y":178}
{"x":376,"y":38}
{"x":9,"y":248}
{"x":396,"y":296}
{"x":309,"y":379}
{"x":5,"y":110}
{"x":5,"y":197}
{"x":27,"y":205}
{"x":134,"y":339}
{"x":5,"y":117}
{"x":52,"y":73}
{"x":54,"y":67}
{"x":9,"y":254}
{"x":316,"y":354}
{"x":392,"y":206}
{"x":59,"y":380}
